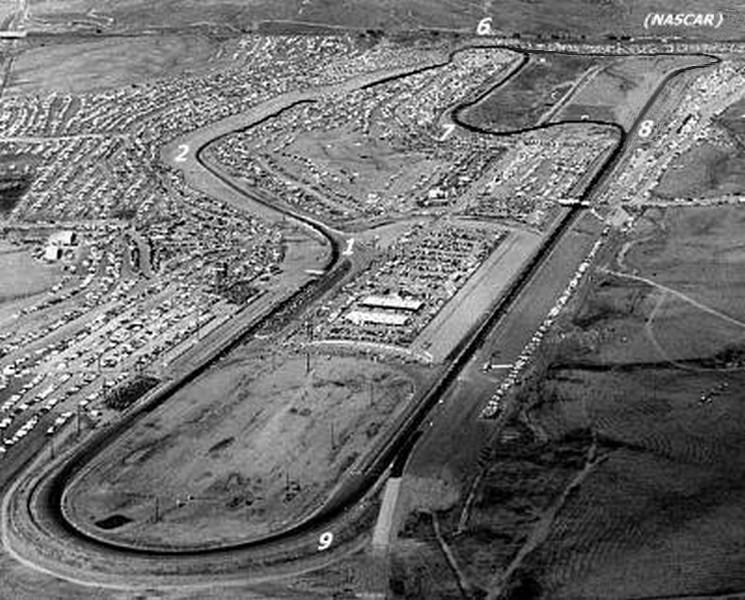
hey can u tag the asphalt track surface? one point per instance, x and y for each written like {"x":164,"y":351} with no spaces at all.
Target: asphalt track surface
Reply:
{"x":346,"y":509}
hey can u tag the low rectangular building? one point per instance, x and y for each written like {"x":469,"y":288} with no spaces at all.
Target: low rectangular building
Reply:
{"x":360,"y":317}
{"x":52,"y":253}
{"x":392,"y":301}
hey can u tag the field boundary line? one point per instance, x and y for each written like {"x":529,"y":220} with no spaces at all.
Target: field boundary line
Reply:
{"x":674,"y":292}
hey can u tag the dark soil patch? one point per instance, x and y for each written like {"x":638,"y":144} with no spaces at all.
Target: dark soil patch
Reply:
{"x":113,"y":522}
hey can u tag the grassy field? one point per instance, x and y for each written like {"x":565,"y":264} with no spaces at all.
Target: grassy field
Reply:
{"x":22,"y":276}
{"x":621,"y":475}
{"x":705,"y":171}
{"x":245,"y":450}
{"x":575,"y":17}
{"x":7,"y":11}
{"x":531,"y":93}
{"x":360,"y":166}
{"x":661,"y":515}
{"x":733,"y":120}
{"x":713,"y":167}
{"x":619,"y":91}
{"x":84,"y":66}
{"x":697,"y":251}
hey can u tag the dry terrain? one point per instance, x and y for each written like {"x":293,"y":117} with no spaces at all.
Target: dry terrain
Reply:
{"x":539,"y":85}
{"x":623,"y":472}
{"x":706,"y":171}
{"x":84,"y":66}
{"x":21,"y":275}
{"x":245,"y":450}
{"x":714,"y":167}
{"x":364,"y":167}
{"x":566,"y":17}
{"x":621,"y":475}
{"x":619,"y":90}
{"x":732,"y":120}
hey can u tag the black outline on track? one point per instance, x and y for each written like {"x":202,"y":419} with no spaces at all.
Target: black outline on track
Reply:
{"x":48,"y":493}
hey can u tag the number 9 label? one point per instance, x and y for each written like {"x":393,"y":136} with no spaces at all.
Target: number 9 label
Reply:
{"x":325,"y":540}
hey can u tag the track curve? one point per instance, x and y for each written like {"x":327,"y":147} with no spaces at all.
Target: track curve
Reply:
{"x":43,"y":499}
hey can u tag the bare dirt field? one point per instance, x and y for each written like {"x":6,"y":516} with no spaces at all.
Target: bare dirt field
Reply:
{"x":21,"y":276}
{"x":88,"y":65}
{"x":361,"y":166}
{"x":621,"y":474}
{"x":245,"y":450}
{"x":528,"y":95}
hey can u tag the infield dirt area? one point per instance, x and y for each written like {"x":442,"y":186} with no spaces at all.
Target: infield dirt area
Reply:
{"x":249,"y":448}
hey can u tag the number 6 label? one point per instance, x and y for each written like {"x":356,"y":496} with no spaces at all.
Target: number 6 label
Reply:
{"x":325,"y":540}
{"x":484,"y":27}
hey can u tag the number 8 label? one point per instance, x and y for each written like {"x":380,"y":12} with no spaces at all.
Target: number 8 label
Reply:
{"x":325,"y":540}
{"x":646,"y":128}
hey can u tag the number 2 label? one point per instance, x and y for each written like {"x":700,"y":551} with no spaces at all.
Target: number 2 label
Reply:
{"x":183,"y":150}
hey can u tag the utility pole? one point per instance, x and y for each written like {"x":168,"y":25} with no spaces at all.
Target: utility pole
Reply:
{"x":157,"y":509}
{"x":309,"y":333}
{"x":100,"y":374}
{"x":372,"y":393}
{"x":333,"y":444}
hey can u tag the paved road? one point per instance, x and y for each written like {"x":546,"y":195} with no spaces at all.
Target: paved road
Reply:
{"x":31,"y":523}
